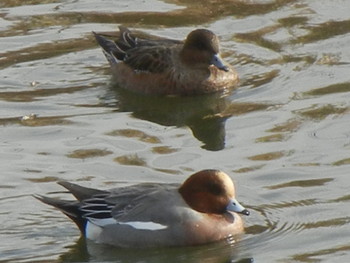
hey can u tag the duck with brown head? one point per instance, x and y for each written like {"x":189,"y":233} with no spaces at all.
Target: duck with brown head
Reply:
{"x":201,"y":210}
{"x":211,"y":191}
{"x":167,"y":66}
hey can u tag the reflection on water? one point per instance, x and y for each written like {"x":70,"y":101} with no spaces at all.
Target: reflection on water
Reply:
{"x":84,"y":250}
{"x":179,"y":112}
{"x":283,"y":135}
{"x":205,"y":115}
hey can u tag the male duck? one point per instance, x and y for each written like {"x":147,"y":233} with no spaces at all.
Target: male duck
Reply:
{"x":167,"y":66}
{"x":201,"y":210}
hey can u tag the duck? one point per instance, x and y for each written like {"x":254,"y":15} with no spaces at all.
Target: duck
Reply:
{"x":167,"y":66}
{"x":203,"y":209}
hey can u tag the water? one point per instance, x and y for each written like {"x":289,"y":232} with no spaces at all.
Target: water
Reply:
{"x":283,"y":135}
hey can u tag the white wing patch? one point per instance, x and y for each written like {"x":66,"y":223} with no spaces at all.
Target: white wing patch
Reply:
{"x":94,"y":226}
{"x":144,"y":225}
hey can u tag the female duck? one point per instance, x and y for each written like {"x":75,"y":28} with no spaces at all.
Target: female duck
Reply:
{"x":166,"y":66}
{"x":201,"y":210}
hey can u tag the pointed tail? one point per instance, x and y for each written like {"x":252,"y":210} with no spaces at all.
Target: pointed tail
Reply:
{"x":69,"y":208}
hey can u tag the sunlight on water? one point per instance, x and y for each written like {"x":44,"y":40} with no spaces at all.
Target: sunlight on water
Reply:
{"x":283,"y":134}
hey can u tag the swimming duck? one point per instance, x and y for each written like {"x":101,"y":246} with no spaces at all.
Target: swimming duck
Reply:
{"x":201,"y":210}
{"x":167,"y":66}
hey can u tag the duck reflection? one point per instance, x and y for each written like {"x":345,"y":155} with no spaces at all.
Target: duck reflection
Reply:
{"x":86,"y":251}
{"x":202,"y":114}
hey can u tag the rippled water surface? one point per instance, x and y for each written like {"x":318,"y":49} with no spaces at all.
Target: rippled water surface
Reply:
{"x":283,"y":135}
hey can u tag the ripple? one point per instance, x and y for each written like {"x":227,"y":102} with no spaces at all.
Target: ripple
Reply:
{"x":330,"y":89}
{"x":132,"y":133}
{"x":332,"y":131}
{"x":302,"y":183}
{"x":292,"y":57}
{"x":320,"y":112}
{"x":278,"y":221}
{"x":88,"y":153}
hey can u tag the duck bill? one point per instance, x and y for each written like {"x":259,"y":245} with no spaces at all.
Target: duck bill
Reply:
{"x":235,"y":206}
{"x":218,"y":62}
